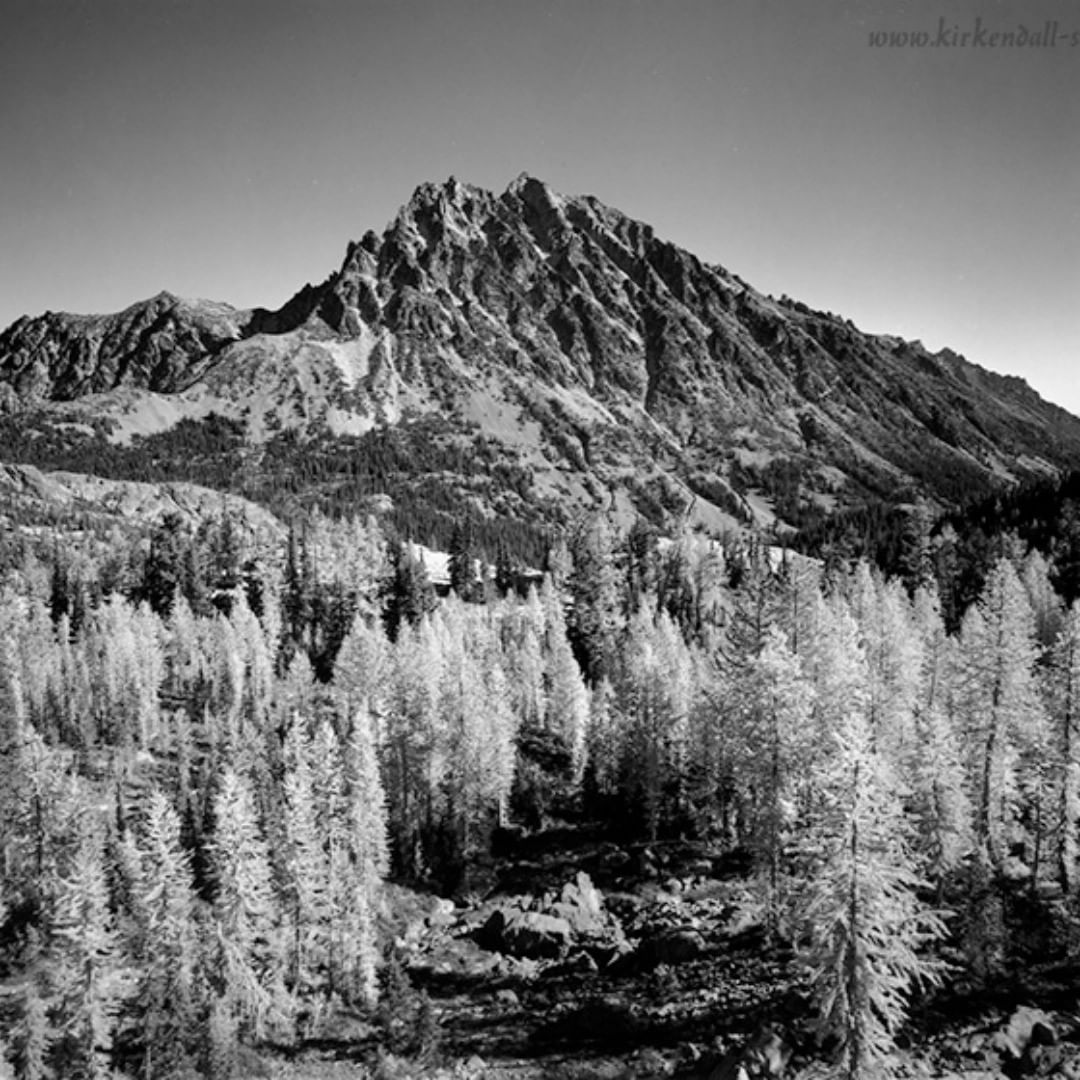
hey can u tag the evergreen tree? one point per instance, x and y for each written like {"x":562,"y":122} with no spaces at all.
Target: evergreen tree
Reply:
{"x":758,"y":601}
{"x":894,"y":661}
{"x":566,"y":702}
{"x":1045,"y":603}
{"x":362,"y":669}
{"x":247,"y":967}
{"x":34,"y":1034}
{"x":1063,"y":698}
{"x":594,"y":587}
{"x":307,"y":892}
{"x":166,"y":948}
{"x":366,"y":863}
{"x":999,"y":701}
{"x":88,"y":984}
{"x":776,"y":701}
{"x":521,"y":629}
{"x":463,"y":561}
{"x":411,"y":595}
{"x":654,"y":695}
{"x":414,"y":750}
{"x":864,"y":927}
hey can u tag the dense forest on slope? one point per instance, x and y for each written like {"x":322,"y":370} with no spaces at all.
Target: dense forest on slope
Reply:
{"x":217,"y":757}
{"x":413,"y":474}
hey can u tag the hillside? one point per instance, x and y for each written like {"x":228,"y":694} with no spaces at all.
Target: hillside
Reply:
{"x":519,"y":357}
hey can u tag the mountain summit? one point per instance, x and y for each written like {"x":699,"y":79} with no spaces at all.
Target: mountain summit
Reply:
{"x":539,"y":352}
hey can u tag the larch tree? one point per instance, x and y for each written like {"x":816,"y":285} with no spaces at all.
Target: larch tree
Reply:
{"x":1046,"y":605}
{"x":1000,"y":702}
{"x":938,"y":780}
{"x":307,"y":896}
{"x":521,"y":629}
{"x":893,"y":650}
{"x":757,"y":602}
{"x":166,"y":946}
{"x":777,"y":700}
{"x":127,"y":667}
{"x":566,"y":702}
{"x":605,"y":740}
{"x":248,"y":964}
{"x":366,"y":860}
{"x":88,"y":981}
{"x":832,"y":656}
{"x":362,"y":669}
{"x":41,"y":803}
{"x":1063,"y":700}
{"x":33,"y":1034}
{"x":864,"y":927}
{"x":653,"y":692}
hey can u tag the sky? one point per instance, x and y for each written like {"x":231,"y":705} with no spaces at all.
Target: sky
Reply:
{"x":230,"y":149}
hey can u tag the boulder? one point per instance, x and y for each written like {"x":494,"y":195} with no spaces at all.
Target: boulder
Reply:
{"x":669,"y":947}
{"x":530,"y":934}
{"x":582,"y":906}
{"x":1027,"y":1028}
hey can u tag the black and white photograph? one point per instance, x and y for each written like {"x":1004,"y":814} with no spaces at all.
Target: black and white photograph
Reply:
{"x":539,"y":539}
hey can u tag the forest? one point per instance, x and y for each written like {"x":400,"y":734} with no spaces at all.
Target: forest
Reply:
{"x":214,"y":757}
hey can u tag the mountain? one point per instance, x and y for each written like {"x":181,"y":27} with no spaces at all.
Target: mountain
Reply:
{"x":518,"y":357}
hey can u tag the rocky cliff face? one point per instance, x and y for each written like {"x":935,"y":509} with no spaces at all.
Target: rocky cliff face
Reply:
{"x":597,"y":357}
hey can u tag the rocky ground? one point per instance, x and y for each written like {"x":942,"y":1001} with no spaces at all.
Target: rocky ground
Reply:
{"x":597,"y":962}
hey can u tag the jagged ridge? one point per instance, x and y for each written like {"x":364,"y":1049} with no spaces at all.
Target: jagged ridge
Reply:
{"x":594,"y":352}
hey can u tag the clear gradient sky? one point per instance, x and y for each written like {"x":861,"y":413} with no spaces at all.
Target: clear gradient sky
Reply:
{"x":230,"y":148}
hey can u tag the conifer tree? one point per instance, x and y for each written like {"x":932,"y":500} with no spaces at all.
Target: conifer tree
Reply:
{"x":34,"y":1034}
{"x":88,"y":984}
{"x":999,"y":700}
{"x":331,"y":843}
{"x":249,"y":950}
{"x":1063,"y":699}
{"x":832,"y":657}
{"x":307,"y":894}
{"x":777,"y":700}
{"x":410,"y":593}
{"x":41,"y":802}
{"x":1045,"y":603}
{"x":521,"y":631}
{"x":414,"y":751}
{"x":594,"y":586}
{"x":258,"y":663}
{"x":654,"y":694}
{"x":864,"y":926}
{"x":367,"y":860}
{"x":758,"y":602}
{"x":604,"y":741}
{"x":362,"y":668}
{"x":166,"y":949}
{"x":462,"y":561}
{"x":894,"y":663}
{"x":566,"y":702}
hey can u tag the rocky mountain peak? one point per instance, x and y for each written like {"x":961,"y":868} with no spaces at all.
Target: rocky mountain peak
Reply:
{"x":591,"y":346}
